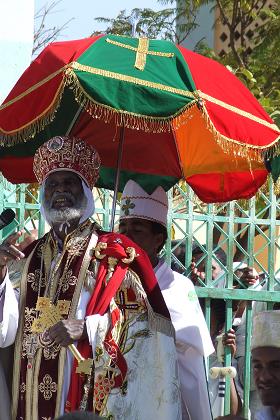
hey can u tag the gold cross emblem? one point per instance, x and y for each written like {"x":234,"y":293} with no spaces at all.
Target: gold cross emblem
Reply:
{"x":50,"y":314}
{"x":127,"y":206}
{"x":141,"y":51}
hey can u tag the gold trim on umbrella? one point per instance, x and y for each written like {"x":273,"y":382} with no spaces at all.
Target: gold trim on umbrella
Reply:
{"x":147,"y":123}
{"x":152,"y":124}
{"x":32,"y":88}
{"x":238,"y":111}
{"x":131,"y":79}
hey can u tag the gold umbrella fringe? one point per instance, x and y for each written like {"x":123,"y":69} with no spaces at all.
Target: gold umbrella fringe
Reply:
{"x":146,"y":123}
{"x":272,"y":151}
{"x":150,"y":124}
{"x":230,"y":146}
{"x":29,"y":131}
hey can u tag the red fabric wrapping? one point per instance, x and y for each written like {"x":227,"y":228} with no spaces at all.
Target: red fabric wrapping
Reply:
{"x":103,"y":294}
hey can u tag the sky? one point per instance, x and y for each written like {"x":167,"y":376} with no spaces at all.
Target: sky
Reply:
{"x":83,"y":13}
{"x":16,"y":28}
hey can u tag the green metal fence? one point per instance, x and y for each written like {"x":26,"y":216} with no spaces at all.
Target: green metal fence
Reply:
{"x":248,"y":232}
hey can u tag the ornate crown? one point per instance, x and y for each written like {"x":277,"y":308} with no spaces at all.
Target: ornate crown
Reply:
{"x":68,"y":153}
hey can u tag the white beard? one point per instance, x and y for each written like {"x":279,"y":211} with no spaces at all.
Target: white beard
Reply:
{"x":63,"y":217}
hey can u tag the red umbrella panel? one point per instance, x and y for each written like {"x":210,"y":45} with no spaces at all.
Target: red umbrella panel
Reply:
{"x":185,"y":116}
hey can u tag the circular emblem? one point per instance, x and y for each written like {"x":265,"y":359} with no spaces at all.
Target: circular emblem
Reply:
{"x":55,"y":144}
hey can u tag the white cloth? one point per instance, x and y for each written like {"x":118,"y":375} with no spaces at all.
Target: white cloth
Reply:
{"x":8,"y":326}
{"x":265,"y":414}
{"x":7,"y":337}
{"x":153,"y":386}
{"x":193,"y":340}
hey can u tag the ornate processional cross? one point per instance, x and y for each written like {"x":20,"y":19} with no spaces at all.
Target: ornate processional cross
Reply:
{"x":141,"y":51}
{"x":50,"y":314}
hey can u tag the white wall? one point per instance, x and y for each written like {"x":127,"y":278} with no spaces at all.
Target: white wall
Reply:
{"x":16,"y":41}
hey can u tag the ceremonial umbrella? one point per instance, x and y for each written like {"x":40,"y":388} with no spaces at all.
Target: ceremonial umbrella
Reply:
{"x":181,"y":115}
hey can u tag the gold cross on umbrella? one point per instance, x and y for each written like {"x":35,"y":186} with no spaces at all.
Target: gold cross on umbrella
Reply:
{"x":50,"y":314}
{"x":141,"y":51}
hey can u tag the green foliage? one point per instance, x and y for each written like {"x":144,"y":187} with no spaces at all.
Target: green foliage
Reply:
{"x":143,"y":23}
{"x":172,"y":23}
{"x":258,"y":69}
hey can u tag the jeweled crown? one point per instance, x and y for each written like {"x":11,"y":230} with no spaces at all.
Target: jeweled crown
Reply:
{"x":69,"y":153}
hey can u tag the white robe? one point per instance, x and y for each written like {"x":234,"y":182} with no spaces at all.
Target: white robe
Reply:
{"x":193,"y":341}
{"x":7,"y":336}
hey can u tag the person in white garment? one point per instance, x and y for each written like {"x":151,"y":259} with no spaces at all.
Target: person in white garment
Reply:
{"x":80,"y":286}
{"x":265,"y":348}
{"x":143,"y":218}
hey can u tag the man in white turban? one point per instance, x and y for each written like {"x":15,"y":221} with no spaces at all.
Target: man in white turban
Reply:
{"x":265,"y":348}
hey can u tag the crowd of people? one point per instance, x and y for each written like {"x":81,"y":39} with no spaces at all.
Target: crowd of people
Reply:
{"x":99,"y":326}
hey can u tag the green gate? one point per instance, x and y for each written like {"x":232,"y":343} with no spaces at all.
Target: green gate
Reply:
{"x":248,"y":232}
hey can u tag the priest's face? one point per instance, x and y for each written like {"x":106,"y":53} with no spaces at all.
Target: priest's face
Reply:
{"x":266,"y":370}
{"x":63,"y":198}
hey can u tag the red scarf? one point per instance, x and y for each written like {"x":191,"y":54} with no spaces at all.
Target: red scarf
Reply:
{"x":103,"y":294}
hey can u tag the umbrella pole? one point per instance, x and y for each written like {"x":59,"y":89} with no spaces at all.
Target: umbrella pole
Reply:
{"x":117,"y":179}
{"x":76,"y":116}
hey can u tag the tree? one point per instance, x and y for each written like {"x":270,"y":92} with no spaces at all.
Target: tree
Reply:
{"x":173,"y":23}
{"x":256,"y":63}
{"x":254,"y":55}
{"x":43,"y":34}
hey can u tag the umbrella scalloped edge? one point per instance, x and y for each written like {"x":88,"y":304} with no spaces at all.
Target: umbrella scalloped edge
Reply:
{"x":149,"y":124}
{"x":247,"y":151}
{"x":130,"y":120}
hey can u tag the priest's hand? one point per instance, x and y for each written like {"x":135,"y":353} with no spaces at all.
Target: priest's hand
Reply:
{"x":9,"y":251}
{"x":68,"y":331}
